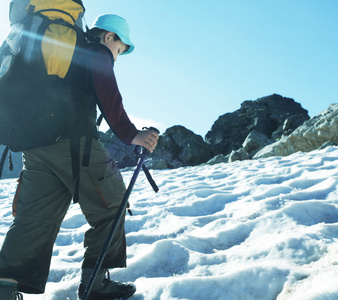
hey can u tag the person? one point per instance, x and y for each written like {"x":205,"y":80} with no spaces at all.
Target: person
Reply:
{"x":47,"y":183}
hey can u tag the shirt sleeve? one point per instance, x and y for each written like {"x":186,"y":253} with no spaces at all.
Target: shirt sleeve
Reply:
{"x":108,"y":96}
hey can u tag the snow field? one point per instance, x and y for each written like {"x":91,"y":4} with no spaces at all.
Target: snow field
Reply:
{"x":258,"y":229}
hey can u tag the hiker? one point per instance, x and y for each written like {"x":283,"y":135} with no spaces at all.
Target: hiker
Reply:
{"x":47,"y":184}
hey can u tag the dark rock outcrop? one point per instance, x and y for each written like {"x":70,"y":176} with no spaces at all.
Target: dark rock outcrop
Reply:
{"x":266,"y":118}
{"x":180,"y":147}
{"x":177,"y":147}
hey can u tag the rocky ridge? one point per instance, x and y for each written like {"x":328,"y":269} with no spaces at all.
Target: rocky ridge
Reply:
{"x":269,"y":126}
{"x":318,"y":132}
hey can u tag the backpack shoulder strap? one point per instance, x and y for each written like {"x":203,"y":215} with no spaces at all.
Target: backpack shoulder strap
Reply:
{"x":3,"y":158}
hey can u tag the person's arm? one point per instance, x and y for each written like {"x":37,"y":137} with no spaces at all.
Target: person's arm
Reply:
{"x":109,"y":98}
{"x":110,"y":103}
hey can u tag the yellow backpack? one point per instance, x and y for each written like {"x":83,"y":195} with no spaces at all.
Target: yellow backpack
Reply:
{"x":34,"y":61}
{"x":57,"y":32}
{"x":37,"y":102}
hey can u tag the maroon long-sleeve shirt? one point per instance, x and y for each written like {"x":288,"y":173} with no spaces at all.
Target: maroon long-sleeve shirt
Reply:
{"x":108,"y":95}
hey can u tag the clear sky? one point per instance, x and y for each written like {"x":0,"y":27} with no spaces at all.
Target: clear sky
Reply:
{"x":195,"y":60}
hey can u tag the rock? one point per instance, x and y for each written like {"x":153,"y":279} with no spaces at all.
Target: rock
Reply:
{"x":255,"y":141}
{"x":179,"y":147}
{"x":309,"y":136}
{"x":154,"y":164}
{"x":124,"y":155}
{"x":239,"y":154}
{"x":289,"y":125}
{"x":252,"y":144}
{"x":265,"y":115}
{"x":327,"y":144}
{"x":220,"y":158}
{"x":293,"y":122}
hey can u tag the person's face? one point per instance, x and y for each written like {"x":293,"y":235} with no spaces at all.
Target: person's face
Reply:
{"x":116,"y":47}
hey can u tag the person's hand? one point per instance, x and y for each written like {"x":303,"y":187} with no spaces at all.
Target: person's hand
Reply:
{"x":146,"y":138}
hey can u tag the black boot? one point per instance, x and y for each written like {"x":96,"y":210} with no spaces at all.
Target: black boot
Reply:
{"x":103,"y":288}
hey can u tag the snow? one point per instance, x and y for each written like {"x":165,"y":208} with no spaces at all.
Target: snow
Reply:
{"x":258,"y":229}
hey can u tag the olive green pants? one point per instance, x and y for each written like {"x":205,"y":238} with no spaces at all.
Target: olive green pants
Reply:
{"x":45,"y":195}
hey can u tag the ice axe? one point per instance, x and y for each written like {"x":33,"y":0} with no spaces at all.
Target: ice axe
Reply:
{"x":142,"y":154}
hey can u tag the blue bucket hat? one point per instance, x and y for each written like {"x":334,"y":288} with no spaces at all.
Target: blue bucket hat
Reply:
{"x":116,"y":24}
